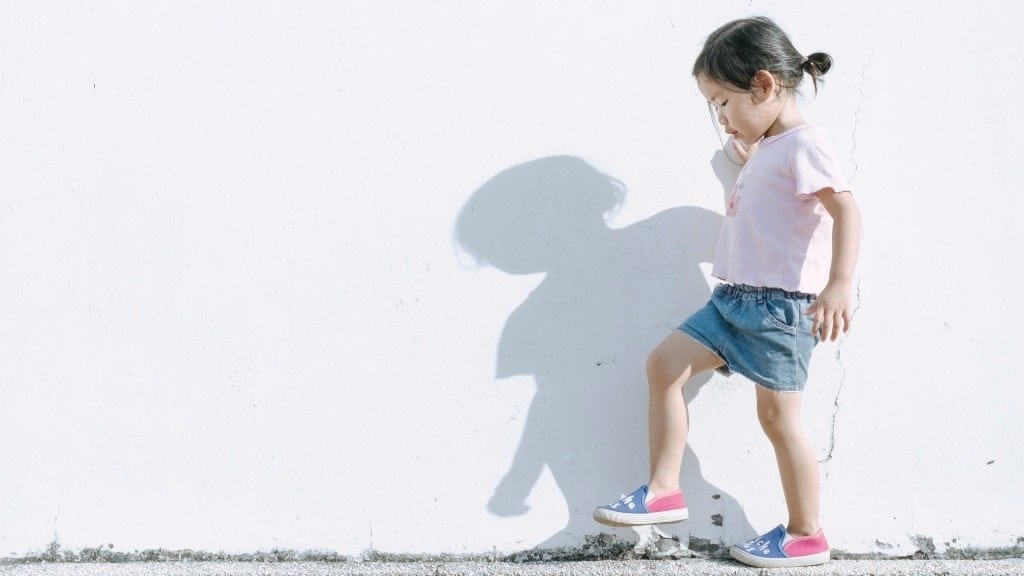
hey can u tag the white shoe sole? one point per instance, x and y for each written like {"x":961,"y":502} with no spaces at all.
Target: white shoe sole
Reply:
{"x":612,"y":518}
{"x":751,"y":560}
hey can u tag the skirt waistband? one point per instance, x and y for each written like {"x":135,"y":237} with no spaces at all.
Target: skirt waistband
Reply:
{"x":761,"y":292}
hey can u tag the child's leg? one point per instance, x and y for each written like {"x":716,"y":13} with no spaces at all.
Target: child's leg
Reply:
{"x":677,"y":359}
{"x":779,"y":413}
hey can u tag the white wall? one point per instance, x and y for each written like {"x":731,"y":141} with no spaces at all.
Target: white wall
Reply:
{"x":348,"y":276}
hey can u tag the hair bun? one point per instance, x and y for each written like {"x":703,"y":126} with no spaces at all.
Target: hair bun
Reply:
{"x":817,"y":64}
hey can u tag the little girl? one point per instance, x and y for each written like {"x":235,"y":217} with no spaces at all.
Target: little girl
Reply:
{"x":786,"y":253}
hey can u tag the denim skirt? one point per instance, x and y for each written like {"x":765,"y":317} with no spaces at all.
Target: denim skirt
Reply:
{"x":760,"y":333}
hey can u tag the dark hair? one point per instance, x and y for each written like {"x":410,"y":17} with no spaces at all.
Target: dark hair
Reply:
{"x":735,"y":52}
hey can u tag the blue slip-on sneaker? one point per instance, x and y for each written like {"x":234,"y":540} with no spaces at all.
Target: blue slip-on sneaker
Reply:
{"x":778,"y":549}
{"x":637,"y":509}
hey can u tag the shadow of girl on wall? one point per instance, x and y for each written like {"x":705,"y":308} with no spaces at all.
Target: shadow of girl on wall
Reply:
{"x":608,"y":296}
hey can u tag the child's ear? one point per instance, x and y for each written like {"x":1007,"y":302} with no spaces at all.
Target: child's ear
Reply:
{"x":764,"y":85}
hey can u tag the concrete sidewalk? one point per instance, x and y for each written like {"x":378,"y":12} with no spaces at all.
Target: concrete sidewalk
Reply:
{"x":695,"y":567}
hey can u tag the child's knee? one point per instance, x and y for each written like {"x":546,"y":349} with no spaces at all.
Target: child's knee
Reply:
{"x":778,"y":423}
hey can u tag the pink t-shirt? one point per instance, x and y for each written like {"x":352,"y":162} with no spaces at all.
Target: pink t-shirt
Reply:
{"x":776,"y":232}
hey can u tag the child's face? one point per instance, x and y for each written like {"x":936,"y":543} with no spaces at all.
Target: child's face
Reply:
{"x":745,"y":115}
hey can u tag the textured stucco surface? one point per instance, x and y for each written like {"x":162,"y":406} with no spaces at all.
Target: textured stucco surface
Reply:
{"x":381,"y":277}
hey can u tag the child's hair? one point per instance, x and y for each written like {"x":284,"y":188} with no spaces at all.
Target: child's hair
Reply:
{"x":735,"y":52}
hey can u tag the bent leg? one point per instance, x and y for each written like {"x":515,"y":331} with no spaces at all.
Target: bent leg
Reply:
{"x":674,"y":361}
{"x":779,"y":414}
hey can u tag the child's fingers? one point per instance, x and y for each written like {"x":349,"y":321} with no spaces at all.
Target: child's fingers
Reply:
{"x":813,"y":310}
{"x":827,"y":327}
{"x":840,"y":323}
{"x":829,"y":324}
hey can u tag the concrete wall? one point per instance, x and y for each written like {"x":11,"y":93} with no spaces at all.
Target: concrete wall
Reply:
{"x":381,"y":276}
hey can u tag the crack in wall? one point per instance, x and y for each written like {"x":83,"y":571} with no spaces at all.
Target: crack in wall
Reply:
{"x":842,"y":383}
{"x":857,"y":297}
{"x":856,"y":114}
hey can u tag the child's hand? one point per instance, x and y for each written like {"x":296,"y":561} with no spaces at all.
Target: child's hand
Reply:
{"x":832,"y":311}
{"x":744,"y":152}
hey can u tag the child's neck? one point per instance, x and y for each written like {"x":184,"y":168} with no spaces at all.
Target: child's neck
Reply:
{"x":789,"y":117}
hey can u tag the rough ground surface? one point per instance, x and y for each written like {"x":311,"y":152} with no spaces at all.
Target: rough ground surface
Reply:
{"x":654,"y":555}
{"x":703,"y":567}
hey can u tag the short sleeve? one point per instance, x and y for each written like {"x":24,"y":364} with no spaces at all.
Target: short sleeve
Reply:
{"x":815,"y":167}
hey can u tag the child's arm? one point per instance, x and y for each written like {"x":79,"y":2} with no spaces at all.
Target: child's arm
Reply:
{"x":833,"y":310}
